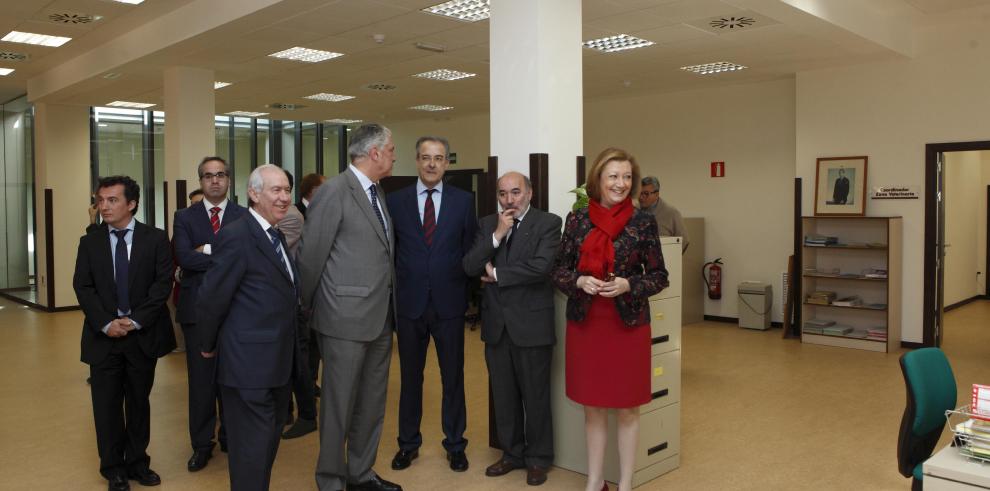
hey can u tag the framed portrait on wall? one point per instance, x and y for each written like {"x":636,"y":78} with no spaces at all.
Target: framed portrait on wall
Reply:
{"x":840,"y":186}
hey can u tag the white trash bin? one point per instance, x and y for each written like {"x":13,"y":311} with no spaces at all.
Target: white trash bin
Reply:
{"x":755,"y":301}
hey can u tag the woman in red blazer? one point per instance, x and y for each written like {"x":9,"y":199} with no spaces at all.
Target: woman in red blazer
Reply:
{"x":609,"y":265}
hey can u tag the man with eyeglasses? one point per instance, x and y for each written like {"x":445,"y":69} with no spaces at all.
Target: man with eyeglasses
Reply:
{"x":194,"y":232}
{"x":669,"y":219}
{"x":435,"y":225}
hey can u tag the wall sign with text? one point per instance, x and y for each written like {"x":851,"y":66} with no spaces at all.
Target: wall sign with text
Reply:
{"x":895,"y":192}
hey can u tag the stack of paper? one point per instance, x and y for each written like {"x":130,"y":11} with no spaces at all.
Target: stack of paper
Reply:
{"x":820,"y":240}
{"x":877,"y":334}
{"x":975,"y":435}
{"x":850,"y":301}
{"x":815,"y":326}
{"x":837,"y":330}
{"x":821,"y":297}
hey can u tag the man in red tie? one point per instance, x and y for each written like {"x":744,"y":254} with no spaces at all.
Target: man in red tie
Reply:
{"x":435,"y":223}
{"x":194,"y":232}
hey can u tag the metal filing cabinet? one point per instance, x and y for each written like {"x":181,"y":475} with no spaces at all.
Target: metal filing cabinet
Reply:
{"x":658,"y":451}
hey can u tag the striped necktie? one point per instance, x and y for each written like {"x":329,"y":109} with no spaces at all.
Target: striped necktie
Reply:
{"x":215,"y":219}
{"x":429,"y":217}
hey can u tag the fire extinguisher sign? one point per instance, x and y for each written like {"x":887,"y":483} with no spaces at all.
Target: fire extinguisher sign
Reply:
{"x":718,"y":169}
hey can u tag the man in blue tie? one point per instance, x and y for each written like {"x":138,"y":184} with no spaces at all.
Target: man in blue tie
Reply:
{"x":123,"y":278}
{"x":435,"y":224}
{"x":247,"y":313}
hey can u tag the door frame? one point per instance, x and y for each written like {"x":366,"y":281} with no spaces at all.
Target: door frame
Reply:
{"x":932,"y":304}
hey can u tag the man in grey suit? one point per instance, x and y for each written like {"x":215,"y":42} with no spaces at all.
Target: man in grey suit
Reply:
{"x":346,"y":274}
{"x":513,"y":254}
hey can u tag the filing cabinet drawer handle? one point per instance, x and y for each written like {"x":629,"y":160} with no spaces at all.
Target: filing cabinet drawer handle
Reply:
{"x":659,"y":315}
{"x":658,"y":448}
{"x":661,"y":339}
{"x":660,"y":393}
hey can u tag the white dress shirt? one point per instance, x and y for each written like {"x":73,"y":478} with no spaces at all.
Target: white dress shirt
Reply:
{"x":365,"y":185}
{"x":129,"y":240}
{"x":421,"y":193}
{"x":223,"y":207}
{"x":496,"y":242}
{"x":265,"y":226}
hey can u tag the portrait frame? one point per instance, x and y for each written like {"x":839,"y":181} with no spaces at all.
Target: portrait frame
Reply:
{"x":840,"y":186}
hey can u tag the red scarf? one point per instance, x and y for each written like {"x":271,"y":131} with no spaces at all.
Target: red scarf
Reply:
{"x":597,"y":250}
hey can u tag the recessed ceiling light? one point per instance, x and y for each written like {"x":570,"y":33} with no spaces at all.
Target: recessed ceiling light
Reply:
{"x":248,"y":114}
{"x":619,"y":42}
{"x":306,"y":55}
{"x":32,"y":38}
{"x":131,"y":2}
{"x":430,"y":107}
{"x":6,"y":71}
{"x":132,"y":105}
{"x":469,"y":10}
{"x":220,"y":85}
{"x":445,"y":74}
{"x":343,"y":121}
{"x":717,"y":67}
{"x":323,"y":96}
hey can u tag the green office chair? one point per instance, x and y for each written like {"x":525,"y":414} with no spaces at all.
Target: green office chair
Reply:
{"x":931,"y":390}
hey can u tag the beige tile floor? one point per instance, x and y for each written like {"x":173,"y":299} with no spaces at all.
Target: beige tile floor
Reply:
{"x":759,"y":412}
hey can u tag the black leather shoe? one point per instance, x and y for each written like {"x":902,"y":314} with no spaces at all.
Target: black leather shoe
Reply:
{"x":375,"y":484}
{"x":316,"y":391}
{"x":403,"y":459}
{"x":223,"y":446}
{"x":300,"y":428}
{"x":502,"y":467}
{"x":199,"y":459}
{"x":458,"y":461}
{"x":536,"y":475}
{"x":145,"y":477}
{"x":119,"y":483}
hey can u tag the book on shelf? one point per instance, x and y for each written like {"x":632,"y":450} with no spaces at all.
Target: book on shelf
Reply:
{"x":821,"y":297}
{"x":875,"y":273}
{"x":820,"y":240}
{"x":875,"y":306}
{"x":837,"y":330}
{"x":857,"y":333}
{"x":850,"y":301}
{"x":812,"y":329}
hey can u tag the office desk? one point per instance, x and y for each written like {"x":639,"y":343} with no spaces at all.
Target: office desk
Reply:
{"x":949,"y":471}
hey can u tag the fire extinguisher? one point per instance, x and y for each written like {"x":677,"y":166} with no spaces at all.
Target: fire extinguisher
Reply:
{"x":713,"y":278}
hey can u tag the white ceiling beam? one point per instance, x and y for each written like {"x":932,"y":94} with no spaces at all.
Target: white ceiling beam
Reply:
{"x":190,"y":20}
{"x":851,"y":16}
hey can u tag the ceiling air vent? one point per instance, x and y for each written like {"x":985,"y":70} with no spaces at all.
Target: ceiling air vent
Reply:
{"x":284,"y":106}
{"x":74,"y":18}
{"x":380,"y":87}
{"x":743,"y":20}
{"x":11,"y":56}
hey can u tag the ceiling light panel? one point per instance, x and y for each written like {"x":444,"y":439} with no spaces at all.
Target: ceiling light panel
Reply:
{"x":430,"y":107}
{"x":38,"y":39}
{"x":220,"y":85}
{"x":712,"y":68}
{"x":466,"y":10}
{"x":129,"y":2}
{"x":247,"y":114}
{"x":621,"y":42}
{"x":132,"y":105}
{"x":444,"y":74}
{"x":6,"y":71}
{"x":343,"y":121}
{"x":305,"y":55}
{"x":323,"y":96}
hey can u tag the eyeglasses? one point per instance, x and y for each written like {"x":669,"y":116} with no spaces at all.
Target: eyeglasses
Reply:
{"x":436,"y":158}
{"x":647,"y":193}
{"x":209,"y":176}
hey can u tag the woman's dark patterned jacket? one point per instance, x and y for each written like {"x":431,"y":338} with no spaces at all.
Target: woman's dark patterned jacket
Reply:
{"x":637,"y":258}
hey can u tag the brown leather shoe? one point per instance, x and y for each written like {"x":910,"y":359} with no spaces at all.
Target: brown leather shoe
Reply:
{"x":502,"y":467}
{"x":536,"y":475}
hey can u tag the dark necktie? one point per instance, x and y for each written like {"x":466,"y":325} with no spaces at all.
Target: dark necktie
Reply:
{"x":429,"y":217}
{"x":120,"y":271}
{"x":512,"y":233}
{"x":277,"y":245}
{"x":374,"y":205}
{"x":215,"y":219}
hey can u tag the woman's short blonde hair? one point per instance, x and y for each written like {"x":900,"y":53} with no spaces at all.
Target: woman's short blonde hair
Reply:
{"x":594,"y":186}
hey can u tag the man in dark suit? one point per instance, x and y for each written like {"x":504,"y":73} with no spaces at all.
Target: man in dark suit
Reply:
{"x":346,"y":272}
{"x":123,"y":278}
{"x":194,"y":233}
{"x":513,"y":255}
{"x":434,"y":227}
{"x":246,"y":312}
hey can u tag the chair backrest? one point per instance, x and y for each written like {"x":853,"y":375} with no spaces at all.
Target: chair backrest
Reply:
{"x":931,"y":390}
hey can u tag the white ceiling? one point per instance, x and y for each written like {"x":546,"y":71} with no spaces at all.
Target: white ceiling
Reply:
{"x":773,"y":48}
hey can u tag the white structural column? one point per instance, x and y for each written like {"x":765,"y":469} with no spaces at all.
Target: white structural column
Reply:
{"x":536,"y":90}
{"x":62,"y":166}
{"x":189,"y":127}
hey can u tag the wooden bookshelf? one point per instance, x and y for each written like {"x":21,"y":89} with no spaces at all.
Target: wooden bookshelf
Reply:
{"x":851,"y":262}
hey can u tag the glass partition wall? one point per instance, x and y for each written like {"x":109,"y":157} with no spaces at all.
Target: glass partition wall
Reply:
{"x":17,"y":220}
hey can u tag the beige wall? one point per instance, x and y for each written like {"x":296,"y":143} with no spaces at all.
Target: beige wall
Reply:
{"x":981,"y":224}
{"x":748,"y":213}
{"x":964,"y":195}
{"x":675,"y":136}
{"x":62,"y":165}
{"x":889,"y":111}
